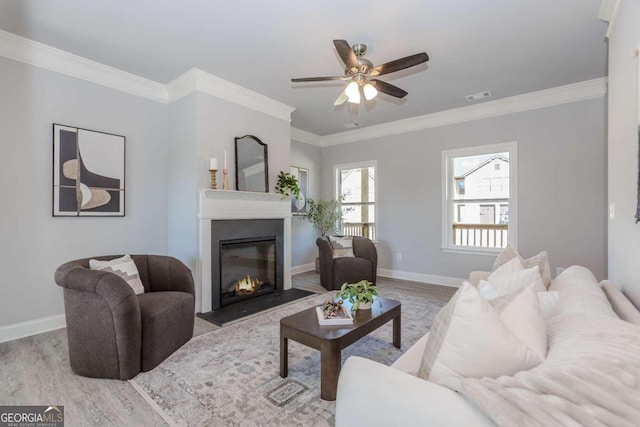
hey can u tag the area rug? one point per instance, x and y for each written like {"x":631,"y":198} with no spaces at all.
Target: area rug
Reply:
{"x":230,"y":376}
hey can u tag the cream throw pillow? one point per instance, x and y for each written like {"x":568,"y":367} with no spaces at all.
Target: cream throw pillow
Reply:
{"x":580,"y":293}
{"x":512,"y":266}
{"x":547,"y":300}
{"x":471,"y":338}
{"x":540,"y":260}
{"x":520,"y":311}
{"x":342,"y":246}
{"x":123,"y":267}
{"x":505,"y":283}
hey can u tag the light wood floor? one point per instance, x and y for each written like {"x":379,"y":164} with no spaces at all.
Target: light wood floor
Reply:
{"x":35,"y":371}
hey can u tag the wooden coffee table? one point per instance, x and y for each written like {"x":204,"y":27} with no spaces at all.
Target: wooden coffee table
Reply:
{"x":303,"y":327}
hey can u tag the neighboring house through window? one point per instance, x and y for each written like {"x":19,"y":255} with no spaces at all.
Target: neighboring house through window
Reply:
{"x":356,"y":182}
{"x":479,"y":197}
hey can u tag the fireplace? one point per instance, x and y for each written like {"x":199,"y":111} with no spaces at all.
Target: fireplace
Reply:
{"x":247,"y":269}
{"x":246,"y":259}
{"x":218,"y":212}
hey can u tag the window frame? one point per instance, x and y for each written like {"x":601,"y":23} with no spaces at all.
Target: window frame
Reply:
{"x":448,"y":193}
{"x":337,"y":186}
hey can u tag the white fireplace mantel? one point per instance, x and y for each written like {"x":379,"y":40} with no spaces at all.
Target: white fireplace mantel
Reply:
{"x":224,"y":204}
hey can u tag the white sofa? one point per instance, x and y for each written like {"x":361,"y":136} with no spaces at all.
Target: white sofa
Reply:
{"x":373,"y":394}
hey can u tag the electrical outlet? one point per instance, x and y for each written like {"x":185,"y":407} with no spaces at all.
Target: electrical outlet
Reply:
{"x":559,"y":270}
{"x":399,"y":256}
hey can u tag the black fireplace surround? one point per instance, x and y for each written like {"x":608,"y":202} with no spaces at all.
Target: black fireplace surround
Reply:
{"x":245,"y":247}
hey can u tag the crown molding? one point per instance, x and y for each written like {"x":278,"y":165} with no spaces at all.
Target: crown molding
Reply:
{"x":306,"y":137}
{"x":50,"y":58}
{"x":43,"y":56}
{"x":589,"y":89}
{"x":607,"y":10}
{"x":607,"y":13}
{"x":200,"y":81}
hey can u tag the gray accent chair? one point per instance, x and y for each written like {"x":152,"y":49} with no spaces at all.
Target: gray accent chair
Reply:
{"x":336,"y":271}
{"x":114,"y":333}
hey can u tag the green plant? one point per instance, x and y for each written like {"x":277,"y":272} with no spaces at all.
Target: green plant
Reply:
{"x":358,"y":293}
{"x":324,"y":214}
{"x":287,"y":185}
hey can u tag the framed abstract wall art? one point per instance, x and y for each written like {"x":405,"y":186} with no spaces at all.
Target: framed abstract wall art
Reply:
{"x":88,"y":172}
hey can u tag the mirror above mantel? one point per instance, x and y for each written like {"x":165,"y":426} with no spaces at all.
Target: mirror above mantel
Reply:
{"x":252,"y":172}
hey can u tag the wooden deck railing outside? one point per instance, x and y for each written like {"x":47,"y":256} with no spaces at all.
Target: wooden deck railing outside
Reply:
{"x":359,"y":229}
{"x":482,"y":235}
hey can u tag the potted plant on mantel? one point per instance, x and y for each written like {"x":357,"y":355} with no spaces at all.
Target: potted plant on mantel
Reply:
{"x":288,"y":186}
{"x":360,"y":294}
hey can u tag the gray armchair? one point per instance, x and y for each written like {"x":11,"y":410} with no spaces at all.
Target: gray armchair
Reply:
{"x":336,"y":271}
{"x":114,"y":333}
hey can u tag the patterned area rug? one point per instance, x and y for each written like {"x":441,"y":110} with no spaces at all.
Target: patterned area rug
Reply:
{"x":230,"y":376}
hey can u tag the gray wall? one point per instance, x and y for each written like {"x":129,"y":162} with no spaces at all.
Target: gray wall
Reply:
{"x":624,"y":233}
{"x":167,"y":154}
{"x":220,"y":121}
{"x":183,"y":177}
{"x":203,"y":127}
{"x":33,"y":243}
{"x":561,"y":188}
{"x":303,"y":235}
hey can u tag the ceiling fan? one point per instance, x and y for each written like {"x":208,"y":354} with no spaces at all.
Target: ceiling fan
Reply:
{"x":361,"y":73}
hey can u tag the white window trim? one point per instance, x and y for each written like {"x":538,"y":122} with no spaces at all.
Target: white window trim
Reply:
{"x":356,"y":165}
{"x":512,"y":148}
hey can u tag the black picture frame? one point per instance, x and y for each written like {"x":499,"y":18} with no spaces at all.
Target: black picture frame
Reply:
{"x":88,"y":173}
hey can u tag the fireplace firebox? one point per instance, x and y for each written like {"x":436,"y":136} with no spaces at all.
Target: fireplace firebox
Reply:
{"x":247,"y":269}
{"x":246,"y":259}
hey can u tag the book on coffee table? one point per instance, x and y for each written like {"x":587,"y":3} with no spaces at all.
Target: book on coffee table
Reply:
{"x":342,"y":318}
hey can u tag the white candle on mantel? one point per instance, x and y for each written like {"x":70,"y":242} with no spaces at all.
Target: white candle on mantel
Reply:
{"x":225,"y":159}
{"x":213,"y":164}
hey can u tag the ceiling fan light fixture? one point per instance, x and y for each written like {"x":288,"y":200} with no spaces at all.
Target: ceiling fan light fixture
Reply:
{"x":360,"y":72}
{"x":352,"y":90}
{"x":370,"y":92}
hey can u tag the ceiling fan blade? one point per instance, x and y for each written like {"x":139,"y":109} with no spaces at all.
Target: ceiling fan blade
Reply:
{"x":346,"y":54}
{"x":389,"y":89}
{"x":318,"y":79}
{"x":342,"y":98}
{"x":399,"y":64}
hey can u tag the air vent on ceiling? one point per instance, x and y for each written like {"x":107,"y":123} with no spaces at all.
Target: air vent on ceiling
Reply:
{"x":352,"y":125}
{"x":479,"y":95}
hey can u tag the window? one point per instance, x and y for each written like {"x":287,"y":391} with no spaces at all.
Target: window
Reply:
{"x":482,"y":217}
{"x":356,"y":183}
{"x":460,"y":213}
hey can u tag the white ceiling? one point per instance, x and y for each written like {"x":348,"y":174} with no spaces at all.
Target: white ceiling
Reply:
{"x":510,"y":47}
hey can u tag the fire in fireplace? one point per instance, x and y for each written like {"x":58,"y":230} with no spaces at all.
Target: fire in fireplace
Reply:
{"x":247,"y":285}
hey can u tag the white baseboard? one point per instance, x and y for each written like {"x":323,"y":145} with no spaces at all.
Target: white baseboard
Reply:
{"x":303,"y":268}
{"x":452,"y":282}
{"x":31,"y":327}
